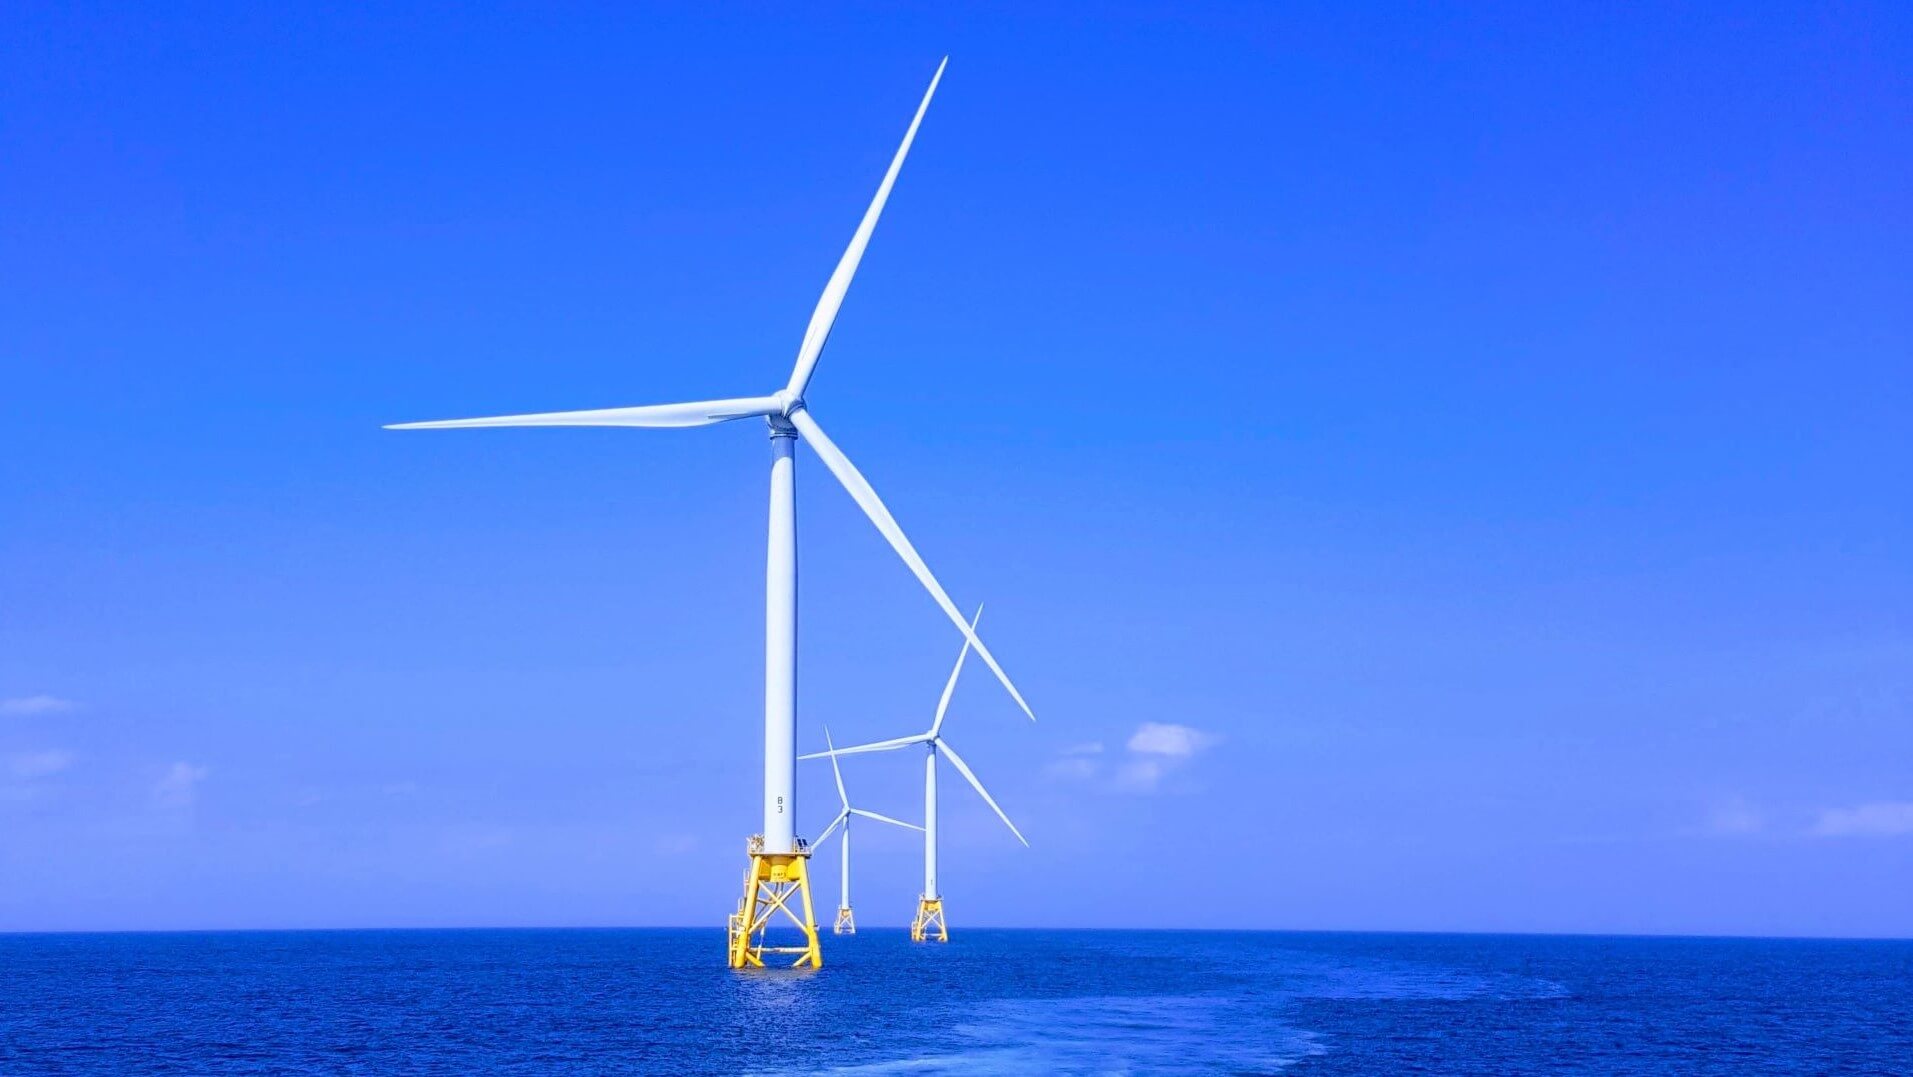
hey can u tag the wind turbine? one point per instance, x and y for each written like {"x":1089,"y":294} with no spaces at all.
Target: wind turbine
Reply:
{"x":778,"y":873}
{"x":846,"y":923}
{"x":930,"y":904}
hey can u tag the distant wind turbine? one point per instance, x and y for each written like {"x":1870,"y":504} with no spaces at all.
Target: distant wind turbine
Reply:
{"x":929,"y":916}
{"x":778,"y":872}
{"x":846,"y":923}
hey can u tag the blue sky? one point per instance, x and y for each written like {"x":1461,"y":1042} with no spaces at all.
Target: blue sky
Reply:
{"x":1483,"y":433}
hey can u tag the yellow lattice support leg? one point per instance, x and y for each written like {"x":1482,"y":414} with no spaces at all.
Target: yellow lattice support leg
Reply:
{"x":846,"y":923}
{"x":770,"y":885}
{"x":929,"y":921}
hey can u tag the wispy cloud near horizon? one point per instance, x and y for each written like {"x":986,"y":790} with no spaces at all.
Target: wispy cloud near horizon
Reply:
{"x":1881,"y":819}
{"x":1735,"y":816}
{"x":1168,"y":739}
{"x":1151,"y":753}
{"x":179,"y":786}
{"x":27,"y":766}
{"x":37,"y":704}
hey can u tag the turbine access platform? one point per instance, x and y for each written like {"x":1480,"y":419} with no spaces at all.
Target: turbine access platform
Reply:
{"x":773,"y":881}
{"x":929,"y":921}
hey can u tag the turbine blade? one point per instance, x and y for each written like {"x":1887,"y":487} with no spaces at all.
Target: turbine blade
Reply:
{"x":964,"y":769}
{"x":842,"y":818}
{"x":696,"y":413}
{"x":949,"y":686}
{"x":822,"y":318}
{"x":836,"y":771}
{"x":886,"y":819}
{"x":873,"y":507}
{"x":876,"y":746}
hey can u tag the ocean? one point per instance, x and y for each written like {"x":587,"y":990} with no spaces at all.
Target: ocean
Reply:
{"x":659,"y":1001}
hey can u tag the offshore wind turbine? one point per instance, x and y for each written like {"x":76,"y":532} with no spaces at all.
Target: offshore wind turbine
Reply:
{"x":778,"y":873}
{"x":929,"y":916}
{"x":846,"y":923}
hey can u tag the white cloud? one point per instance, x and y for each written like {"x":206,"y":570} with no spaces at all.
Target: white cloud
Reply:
{"x":1078,"y":762}
{"x":30,"y":765}
{"x":1073,"y":767}
{"x":1887,"y":818}
{"x":1735,"y":816}
{"x":1153,"y":751}
{"x":1150,"y":754}
{"x":40,"y":704}
{"x":1176,"y":741}
{"x":1140,"y":775}
{"x":179,"y":787}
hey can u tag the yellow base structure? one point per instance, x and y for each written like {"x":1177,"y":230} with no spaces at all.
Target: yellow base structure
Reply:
{"x":771,"y":884}
{"x":846,"y":923}
{"x":929,"y":921}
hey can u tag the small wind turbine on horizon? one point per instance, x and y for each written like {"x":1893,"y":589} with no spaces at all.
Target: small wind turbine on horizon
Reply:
{"x":929,"y":915}
{"x":846,"y":923}
{"x":778,"y":873}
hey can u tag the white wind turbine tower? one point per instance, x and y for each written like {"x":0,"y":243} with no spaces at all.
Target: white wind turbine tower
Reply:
{"x":778,"y":872}
{"x":846,"y":923}
{"x":929,"y":916}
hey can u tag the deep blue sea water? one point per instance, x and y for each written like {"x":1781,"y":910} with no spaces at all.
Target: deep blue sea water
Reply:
{"x":1021,"y":1002}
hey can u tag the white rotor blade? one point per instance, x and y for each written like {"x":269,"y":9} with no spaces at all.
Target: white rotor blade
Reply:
{"x":876,"y":746}
{"x":873,"y":507}
{"x":886,"y":819}
{"x":836,"y":771}
{"x":822,"y":318}
{"x":842,"y":818}
{"x":949,"y":686}
{"x":964,"y":769}
{"x":696,"y":413}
